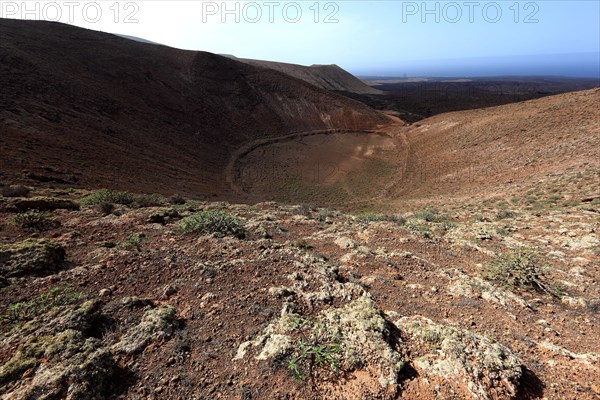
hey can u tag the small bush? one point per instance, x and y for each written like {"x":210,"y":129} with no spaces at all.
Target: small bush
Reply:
{"x":324,"y":214}
{"x":429,"y":215}
{"x":419,"y":228}
{"x":106,"y":208}
{"x":521,"y":268}
{"x":303,"y":209}
{"x":133,"y":241}
{"x":177,"y":200}
{"x":213,"y":221}
{"x":373,"y":217}
{"x":446,"y":225}
{"x":14,"y":191}
{"x":553,"y":198}
{"x":33,"y":219}
{"x":481,"y":218}
{"x":149,"y":200}
{"x":505,"y":214}
{"x":108,"y":196}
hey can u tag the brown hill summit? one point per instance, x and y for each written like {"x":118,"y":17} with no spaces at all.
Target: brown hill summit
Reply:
{"x":82,"y":105}
{"x":330,"y":77}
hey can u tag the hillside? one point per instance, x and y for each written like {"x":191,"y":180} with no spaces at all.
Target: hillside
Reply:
{"x":80,"y":106}
{"x":330,"y":77}
{"x":506,"y":150}
{"x":468,"y":156}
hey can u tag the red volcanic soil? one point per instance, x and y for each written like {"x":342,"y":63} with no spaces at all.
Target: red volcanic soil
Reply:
{"x":89,"y":108}
{"x":505,"y":150}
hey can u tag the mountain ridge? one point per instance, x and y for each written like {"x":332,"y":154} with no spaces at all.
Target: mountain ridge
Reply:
{"x":68,"y":90}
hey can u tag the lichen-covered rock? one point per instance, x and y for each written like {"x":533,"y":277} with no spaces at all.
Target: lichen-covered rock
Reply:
{"x":68,"y":358}
{"x":61,"y":359}
{"x":473,"y":287}
{"x":359,"y":329}
{"x":345,"y":243}
{"x":275,"y":345}
{"x":365,"y":338}
{"x":31,"y":257}
{"x":156,"y":324}
{"x":488,"y":369}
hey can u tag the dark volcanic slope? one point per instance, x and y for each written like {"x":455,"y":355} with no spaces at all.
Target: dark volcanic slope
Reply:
{"x":82,"y":105}
{"x":330,"y":77}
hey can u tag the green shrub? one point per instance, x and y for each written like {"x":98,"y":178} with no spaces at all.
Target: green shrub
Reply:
{"x":317,"y":347}
{"x":213,"y":221}
{"x":480,"y":218}
{"x":133,"y":241}
{"x":446,"y":225}
{"x":108,"y":196}
{"x":520,"y":268}
{"x":553,"y":198}
{"x":33,"y":219}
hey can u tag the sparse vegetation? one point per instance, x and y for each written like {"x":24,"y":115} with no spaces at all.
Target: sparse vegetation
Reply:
{"x":316,"y":347}
{"x":506,"y":214}
{"x":520,"y":268}
{"x":446,"y":225}
{"x":419,"y":228}
{"x":481,"y":218}
{"x":103,"y":196}
{"x":26,"y":310}
{"x":374,"y":217}
{"x":133,"y":241}
{"x":324,"y":214}
{"x":149,"y":200}
{"x":33,"y":219}
{"x":554,"y":198}
{"x":429,"y":215}
{"x":108,"y":196}
{"x":304,"y":209}
{"x":396,"y":291}
{"x":213,"y":222}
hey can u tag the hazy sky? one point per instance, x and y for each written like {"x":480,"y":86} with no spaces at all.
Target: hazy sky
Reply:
{"x":365,"y":37}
